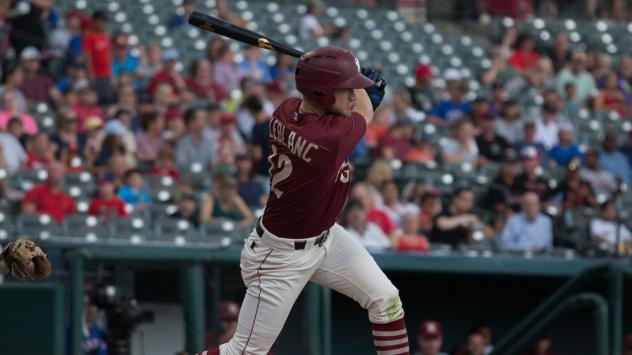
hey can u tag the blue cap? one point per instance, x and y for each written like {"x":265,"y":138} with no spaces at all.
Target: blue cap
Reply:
{"x":170,"y":54}
{"x":115,"y":128}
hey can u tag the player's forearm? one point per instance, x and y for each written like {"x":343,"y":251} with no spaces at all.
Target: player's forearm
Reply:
{"x":363,"y":105}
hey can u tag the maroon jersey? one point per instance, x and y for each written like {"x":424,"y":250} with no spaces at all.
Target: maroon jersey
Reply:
{"x":309,"y":170}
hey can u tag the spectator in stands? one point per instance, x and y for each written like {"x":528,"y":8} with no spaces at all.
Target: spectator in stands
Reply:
{"x":224,"y":203}
{"x":16,"y":129}
{"x":253,"y":67}
{"x":577,"y":74}
{"x":112,"y":143}
{"x":611,"y":97}
{"x":87,"y":104}
{"x":355,"y":220}
{"x":392,"y":204}
{"x":529,"y":230}
{"x":462,"y":148}
{"x":50,"y":197}
{"x":201,"y":82}
{"x":259,"y":137}
{"x":133,"y":191}
{"x":282,"y":72}
{"x":124,"y":118}
{"x":246,"y":114}
{"x":87,"y":145}
{"x":508,"y":125}
{"x":27,"y":25}
{"x":169,"y":74}
{"x":309,"y":27}
{"x":429,"y":207}
{"x":491,"y":146}
{"x":612,"y":160}
{"x":227,"y":147}
{"x":547,"y":126}
{"x":224,"y":13}
{"x":40,"y":153}
{"x":456,"y":222}
{"x":106,"y":204}
{"x":401,"y":108}
{"x":123,"y":58}
{"x":626,"y":148}
{"x":163,"y":165}
{"x":542,"y":346}
{"x":12,"y":83}
{"x":396,"y":144}
{"x":422,"y":94}
{"x":530,"y":179}
{"x":609,"y":231}
{"x":486,"y":331}
{"x":150,"y":139}
{"x":445,"y":112}
{"x":187,"y":208}
{"x":150,"y":61}
{"x":35,"y":86}
{"x":97,"y":47}
{"x":601,"y":181}
{"x":181,"y":16}
{"x":565,"y":150}
{"x":408,"y":237}
{"x":524,"y":57}
{"x":13,"y":152}
{"x":195,"y":146}
{"x":559,"y":52}
{"x":570,"y":106}
{"x":474,"y":345}
{"x":367,"y":195}
{"x":250,"y":190}
{"x":117,"y":166}
{"x":528,"y":140}
{"x":480,"y":110}
{"x":430,"y":338}
{"x":213,"y":47}
{"x":10,"y":109}
{"x":93,"y":340}
{"x":225,"y":69}
{"x":575,"y":191}
{"x":503,"y":192}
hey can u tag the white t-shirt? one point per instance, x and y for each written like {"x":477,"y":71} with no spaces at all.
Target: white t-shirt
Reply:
{"x":608,"y":231}
{"x":13,"y":152}
{"x":547,"y":134}
{"x":373,"y":239}
{"x":452,"y":147}
{"x":400,"y":209}
{"x":309,"y":23}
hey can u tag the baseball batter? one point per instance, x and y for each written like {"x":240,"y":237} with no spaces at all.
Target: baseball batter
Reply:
{"x":297,"y":239}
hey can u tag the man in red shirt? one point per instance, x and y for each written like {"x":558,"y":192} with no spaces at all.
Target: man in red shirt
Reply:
{"x":169,"y":74}
{"x":297,"y":239}
{"x":50,"y":197}
{"x":97,"y":48}
{"x":107,"y":204}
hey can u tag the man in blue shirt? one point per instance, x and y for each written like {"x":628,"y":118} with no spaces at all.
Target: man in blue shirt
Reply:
{"x":565,"y":150}
{"x":253,"y":67}
{"x":447,"y":111}
{"x":528,"y":230}
{"x":612,"y":160}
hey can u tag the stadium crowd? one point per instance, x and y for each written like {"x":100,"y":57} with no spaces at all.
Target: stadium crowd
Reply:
{"x":132,"y":114}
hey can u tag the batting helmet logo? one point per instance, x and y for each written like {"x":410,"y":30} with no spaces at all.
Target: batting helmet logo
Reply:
{"x":357,"y":63}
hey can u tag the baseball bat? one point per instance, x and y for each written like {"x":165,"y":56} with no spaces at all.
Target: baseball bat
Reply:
{"x":221,"y":27}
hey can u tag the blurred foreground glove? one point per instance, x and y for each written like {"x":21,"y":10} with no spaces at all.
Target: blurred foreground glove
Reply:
{"x":23,"y":258}
{"x":375,"y":92}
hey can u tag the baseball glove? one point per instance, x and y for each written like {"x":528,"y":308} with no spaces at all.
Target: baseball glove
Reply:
{"x":23,"y":258}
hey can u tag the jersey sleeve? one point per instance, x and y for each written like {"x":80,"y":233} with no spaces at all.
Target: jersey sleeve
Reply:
{"x":353,"y":129}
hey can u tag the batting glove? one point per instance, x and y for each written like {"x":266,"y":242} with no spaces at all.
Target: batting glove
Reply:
{"x":375,"y":92}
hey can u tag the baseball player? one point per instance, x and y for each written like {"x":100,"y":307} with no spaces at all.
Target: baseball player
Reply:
{"x":297,"y":239}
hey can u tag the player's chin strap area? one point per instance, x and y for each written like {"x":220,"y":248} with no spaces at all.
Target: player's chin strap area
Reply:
{"x":298,"y":244}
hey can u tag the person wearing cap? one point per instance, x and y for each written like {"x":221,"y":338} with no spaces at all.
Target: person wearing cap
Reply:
{"x":575,"y":192}
{"x":503,"y":192}
{"x":430,"y":338}
{"x":36,"y":85}
{"x":528,"y":230}
{"x":106,"y":203}
{"x":50,"y":198}
{"x":576,"y":73}
{"x":113,"y":143}
{"x":422,"y":93}
{"x":529,"y":179}
{"x":491,"y":146}
{"x":528,"y":140}
{"x":97,"y":46}
{"x":224,"y":203}
{"x":565,"y":150}
{"x":169,"y":74}
{"x":187,"y":208}
{"x":445,"y":112}
{"x":508,"y":124}
{"x":195,"y":146}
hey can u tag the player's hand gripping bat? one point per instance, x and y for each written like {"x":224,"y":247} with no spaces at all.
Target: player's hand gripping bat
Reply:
{"x":221,"y":27}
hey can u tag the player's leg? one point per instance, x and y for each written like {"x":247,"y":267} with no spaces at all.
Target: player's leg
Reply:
{"x":274,"y":279}
{"x":349,"y":269}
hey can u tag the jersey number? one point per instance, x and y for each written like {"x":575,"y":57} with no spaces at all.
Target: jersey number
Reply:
{"x":285,"y":164}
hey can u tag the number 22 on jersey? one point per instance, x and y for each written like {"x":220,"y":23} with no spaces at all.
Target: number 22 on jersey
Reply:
{"x":283,"y":163}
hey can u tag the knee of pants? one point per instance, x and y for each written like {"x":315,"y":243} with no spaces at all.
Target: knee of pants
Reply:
{"x":386,"y":307}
